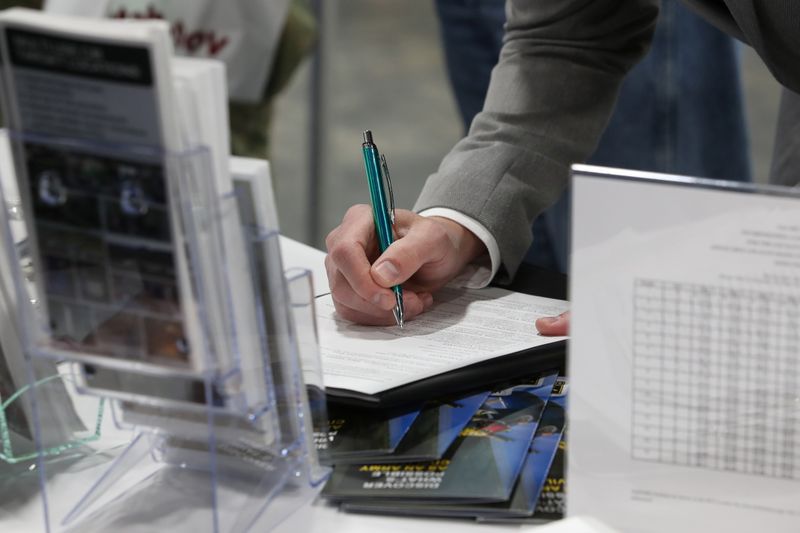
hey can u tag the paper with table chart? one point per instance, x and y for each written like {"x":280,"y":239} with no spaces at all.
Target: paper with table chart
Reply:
{"x":463,"y":327}
{"x":685,"y":354}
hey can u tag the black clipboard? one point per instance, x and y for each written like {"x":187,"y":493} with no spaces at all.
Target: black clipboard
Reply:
{"x":484,"y":375}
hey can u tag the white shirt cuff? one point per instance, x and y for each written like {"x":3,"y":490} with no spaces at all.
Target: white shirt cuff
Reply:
{"x":480,"y":272}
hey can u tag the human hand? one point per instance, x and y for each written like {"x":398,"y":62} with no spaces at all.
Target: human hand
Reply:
{"x":554,"y":326}
{"x":428,"y":252}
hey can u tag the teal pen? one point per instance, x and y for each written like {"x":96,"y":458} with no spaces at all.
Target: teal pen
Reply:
{"x":382,"y":207}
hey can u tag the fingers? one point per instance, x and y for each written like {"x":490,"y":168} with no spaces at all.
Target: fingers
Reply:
{"x":343,"y":292}
{"x":424,"y":244}
{"x":348,"y":265}
{"x":348,"y":277}
{"x":355,"y":293}
{"x":554,"y":326}
{"x":361,"y":312}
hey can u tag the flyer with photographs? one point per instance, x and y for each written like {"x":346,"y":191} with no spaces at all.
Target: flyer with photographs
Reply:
{"x":102,"y":234}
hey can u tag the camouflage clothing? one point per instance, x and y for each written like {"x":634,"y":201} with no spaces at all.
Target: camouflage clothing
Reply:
{"x":250,"y":122}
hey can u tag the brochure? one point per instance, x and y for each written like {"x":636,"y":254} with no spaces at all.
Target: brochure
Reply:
{"x":481,"y":465}
{"x":355,"y":434}
{"x":552,"y":500}
{"x":102,"y":227}
{"x":251,"y":181}
{"x":436,"y":428}
{"x":543,"y":450}
{"x":528,"y":486}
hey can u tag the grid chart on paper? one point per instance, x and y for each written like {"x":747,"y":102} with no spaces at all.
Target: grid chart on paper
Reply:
{"x":716,"y":378}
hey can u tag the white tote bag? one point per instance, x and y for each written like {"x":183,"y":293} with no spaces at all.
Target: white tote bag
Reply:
{"x":241,"y":33}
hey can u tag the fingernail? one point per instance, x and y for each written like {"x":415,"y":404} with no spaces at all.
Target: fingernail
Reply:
{"x":549,"y":320}
{"x":387,"y":272}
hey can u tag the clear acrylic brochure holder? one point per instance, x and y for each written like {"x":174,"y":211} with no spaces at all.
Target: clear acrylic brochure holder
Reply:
{"x":170,"y":303}
{"x":17,"y":444}
{"x":67,"y":425}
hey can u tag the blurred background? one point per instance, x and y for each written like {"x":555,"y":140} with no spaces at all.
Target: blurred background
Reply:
{"x":380,"y":66}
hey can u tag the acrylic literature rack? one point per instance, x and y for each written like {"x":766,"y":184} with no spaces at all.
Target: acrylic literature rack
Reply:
{"x":69,"y":425}
{"x":171,"y":303}
{"x":16,"y":448}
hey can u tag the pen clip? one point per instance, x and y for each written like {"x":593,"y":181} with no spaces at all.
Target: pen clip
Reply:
{"x":389,"y":184}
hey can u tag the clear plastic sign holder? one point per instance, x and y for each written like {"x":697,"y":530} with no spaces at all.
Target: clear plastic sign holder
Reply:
{"x":165,"y":300}
{"x":17,"y":448}
{"x":64,"y":438}
{"x":684,"y":412}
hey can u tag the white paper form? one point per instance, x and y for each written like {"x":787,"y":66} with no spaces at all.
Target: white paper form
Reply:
{"x":685,"y":356}
{"x":463,"y":327}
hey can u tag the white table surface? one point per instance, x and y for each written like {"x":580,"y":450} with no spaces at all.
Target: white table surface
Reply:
{"x":320,"y":517}
{"x":21,"y":507}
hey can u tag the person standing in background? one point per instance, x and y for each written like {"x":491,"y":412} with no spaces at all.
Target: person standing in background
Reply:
{"x":680,"y":110}
{"x":251,"y":121}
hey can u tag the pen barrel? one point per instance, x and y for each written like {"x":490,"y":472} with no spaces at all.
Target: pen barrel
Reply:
{"x":399,"y":293}
{"x":377,"y":194}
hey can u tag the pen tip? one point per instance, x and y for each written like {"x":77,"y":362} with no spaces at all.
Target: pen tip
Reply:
{"x":367,"y":136}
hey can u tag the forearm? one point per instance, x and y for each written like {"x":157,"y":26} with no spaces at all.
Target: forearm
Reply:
{"x":550,"y":98}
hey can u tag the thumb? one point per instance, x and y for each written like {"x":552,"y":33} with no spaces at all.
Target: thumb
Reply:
{"x":425,"y":242}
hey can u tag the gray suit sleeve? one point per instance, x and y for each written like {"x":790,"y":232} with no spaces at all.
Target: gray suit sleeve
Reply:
{"x":550,"y":97}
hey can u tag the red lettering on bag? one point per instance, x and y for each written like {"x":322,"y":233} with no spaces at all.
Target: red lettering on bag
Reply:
{"x":181,"y":38}
{"x":194,"y":41}
{"x":177,"y":32}
{"x":215,"y":45}
{"x":150,"y":13}
{"x":153,"y":13}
